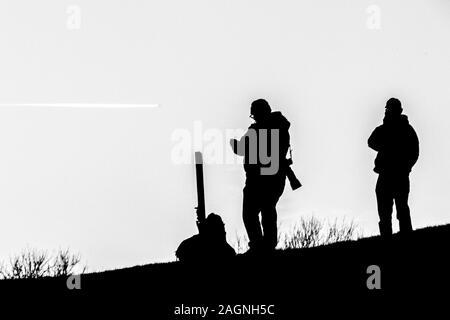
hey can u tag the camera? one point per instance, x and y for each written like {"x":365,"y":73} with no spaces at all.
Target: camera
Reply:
{"x":293,"y":181}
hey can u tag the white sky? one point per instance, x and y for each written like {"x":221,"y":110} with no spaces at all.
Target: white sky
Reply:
{"x":102,"y":181}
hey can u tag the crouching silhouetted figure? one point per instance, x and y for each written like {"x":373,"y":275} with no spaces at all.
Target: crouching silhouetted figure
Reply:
{"x":209,"y":245}
{"x":398,"y":150}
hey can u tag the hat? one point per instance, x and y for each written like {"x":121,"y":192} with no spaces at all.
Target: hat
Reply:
{"x":394,"y":105}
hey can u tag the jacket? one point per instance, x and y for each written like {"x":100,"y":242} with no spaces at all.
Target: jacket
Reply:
{"x":397,"y":144}
{"x":258,"y":134}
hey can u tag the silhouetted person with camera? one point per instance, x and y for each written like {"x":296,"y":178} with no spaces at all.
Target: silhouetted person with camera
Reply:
{"x":264,"y":147}
{"x":398,"y":150}
{"x":210,"y":245}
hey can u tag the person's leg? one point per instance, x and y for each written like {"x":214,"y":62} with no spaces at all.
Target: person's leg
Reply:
{"x":401,"y":204}
{"x":385,"y":201}
{"x":269,"y":212}
{"x":269,"y":224}
{"x":250,"y":215}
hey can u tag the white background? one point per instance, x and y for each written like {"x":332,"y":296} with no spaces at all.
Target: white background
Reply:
{"x":102,"y":181}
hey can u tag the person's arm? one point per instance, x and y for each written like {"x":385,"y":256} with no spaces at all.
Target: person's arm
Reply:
{"x":375,"y":140}
{"x":238,"y":146}
{"x":234,"y":143}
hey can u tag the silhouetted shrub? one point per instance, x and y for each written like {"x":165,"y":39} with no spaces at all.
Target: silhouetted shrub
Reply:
{"x":241,"y":244}
{"x":64,"y":263}
{"x":312,"y":233}
{"x":33,"y":263}
{"x":307,"y":233}
{"x":341,"y":232}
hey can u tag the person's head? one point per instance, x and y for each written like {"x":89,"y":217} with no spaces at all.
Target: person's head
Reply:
{"x":214,"y":227}
{"x":259,"y":109}
{"x":393,"y":108}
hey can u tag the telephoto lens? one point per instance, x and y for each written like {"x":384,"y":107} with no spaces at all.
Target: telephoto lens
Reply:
{"x":294,"y":182}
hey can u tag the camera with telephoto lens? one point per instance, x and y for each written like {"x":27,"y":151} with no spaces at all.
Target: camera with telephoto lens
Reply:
{"x":293,"y":181}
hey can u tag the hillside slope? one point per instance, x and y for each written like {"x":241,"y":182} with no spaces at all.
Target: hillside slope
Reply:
{"x":415,"y":266}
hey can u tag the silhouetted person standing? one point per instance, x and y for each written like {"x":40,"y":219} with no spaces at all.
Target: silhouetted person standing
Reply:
{"x":398,"y":150}
{"x":264,"y":147}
